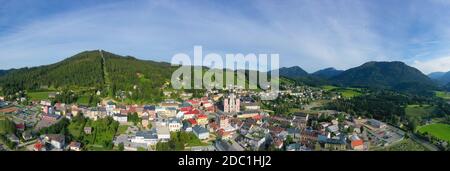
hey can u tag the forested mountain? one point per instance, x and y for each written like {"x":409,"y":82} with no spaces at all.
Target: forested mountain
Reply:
{"x":447,"y":87}
{"x":445,"y":78}
{"x":327,"y":73}
{"x":293,"y":72}
{"x":3,"y":72}
{"x":298,"y":74}
{"x":83,"y":69}
{"x":442,"y":78}
{"x":97,"y":70}
{"x":144,"y":79}
{"x":436,"y":75}
{"x":391,"y":75}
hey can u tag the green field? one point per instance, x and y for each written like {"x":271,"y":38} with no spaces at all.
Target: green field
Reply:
{"x":329,"y":87}
{"x":39,"y":95}
{"x":439,"y":130}
{"x":349,"y":93}
{"x":345,"y":92}
{"x":83,"y":100}
{"x":443,"y":94}
{"x":423,"y":111}
{"x":404,"y":145}
{"x":122,"y":129}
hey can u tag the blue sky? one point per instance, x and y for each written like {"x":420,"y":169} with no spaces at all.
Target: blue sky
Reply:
{"x":312,"y":34}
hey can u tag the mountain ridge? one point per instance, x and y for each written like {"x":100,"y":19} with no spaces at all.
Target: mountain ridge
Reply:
{"x":327,"y":72}
{"x":391,"y":75}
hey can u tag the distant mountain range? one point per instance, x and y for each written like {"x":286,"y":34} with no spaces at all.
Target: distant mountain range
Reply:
{"x":3,"y":72}
{"x":327,"y":73}
{"x":441,"y":78}
{"x":389,"y":75}
{"x":106,"y":71}
{"x":392,"y":75}
{"x":293,"y":72}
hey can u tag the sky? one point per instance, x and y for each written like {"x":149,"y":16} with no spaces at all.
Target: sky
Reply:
{"x":312,"y":34}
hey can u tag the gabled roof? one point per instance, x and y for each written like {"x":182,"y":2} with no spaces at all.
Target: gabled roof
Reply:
{"x":201,"y":116}
{"x":357,"y":143}
{"x":192,"y":121}
{"x":199,"y":129}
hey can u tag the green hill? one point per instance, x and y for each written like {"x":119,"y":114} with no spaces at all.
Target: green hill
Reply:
{"x":388,"y":75}
{"x":93,"y":70}
{"x":119,"y":77}
{"x":83,"y":69}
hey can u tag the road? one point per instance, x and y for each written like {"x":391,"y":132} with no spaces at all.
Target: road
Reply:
{"x":27,"y":143}
{"x":424,"y":143}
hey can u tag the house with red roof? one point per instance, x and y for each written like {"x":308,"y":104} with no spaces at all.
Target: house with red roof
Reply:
{"x":191,"y":114}
{"x":192,"y":122}
{"x":357,"y":144}
{"x":39,"y":146}
{"x":202,"y":119}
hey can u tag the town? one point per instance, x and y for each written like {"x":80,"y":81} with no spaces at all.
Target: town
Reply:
{"x":226,"y":120}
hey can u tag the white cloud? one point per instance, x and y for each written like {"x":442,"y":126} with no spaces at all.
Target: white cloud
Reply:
{"x":311,"y":34}
{"x":441,"y":64}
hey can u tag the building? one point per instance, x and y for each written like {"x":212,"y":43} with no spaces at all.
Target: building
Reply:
{"x":56,"y":140}
{"x":163,"y":133}
{"x":120,"y":118}
{"x":50,"y":117}
{"x":27,"y":135}
{"x":224,"y":122}
{"x":376,"y":124}
{"x":39,"y":146}
{"x":88,"y":130}
{"x":174,"y":125}
{"x":309,"y":137}
{"x":251,"y":106}
{"x":75,"y":146}
{"x":202,"y":119}
{"x":145,"y":137}
{"x":300,"y":120}
{"x":294,"y":133}
{"x":20,"y":126}
{"x":231,"y":104}
{"x":144,"y":121}
{"x":13,"y":138}
{"x":222,"y":145}
{"x":333,"y":144}
{"x":248,"y":114}
{"x":333,"y":129}
{"x":357,"y":145}
{"x":201,"y":132}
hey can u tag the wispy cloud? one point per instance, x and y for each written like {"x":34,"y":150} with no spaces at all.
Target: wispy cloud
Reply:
{"x":309,"y":33}
{"x":441,"y":64}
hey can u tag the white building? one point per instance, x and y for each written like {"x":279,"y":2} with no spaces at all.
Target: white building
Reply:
{"x":174,"y":125}
{"x":56,"y":140}
{"x":231,"y":104}
{"x":201,"y":132}
{"x":120,"y":118}
{"x":145,"y":137}
{"x":163,"y":133}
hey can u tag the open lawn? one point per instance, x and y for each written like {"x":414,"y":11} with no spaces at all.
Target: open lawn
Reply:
{"x":423,"y":111}
{"x":329,"y":87}
{"x":97,"y":148}
{"x":346,"y":92}
{"x":83,"y":100}
{"x":443,"y":94}
{"x":404,"y":145}
{"x":438,"y":130}
{"x":122,"y":129}
{"x":349,"y":93}
{"x":39,"y":95}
